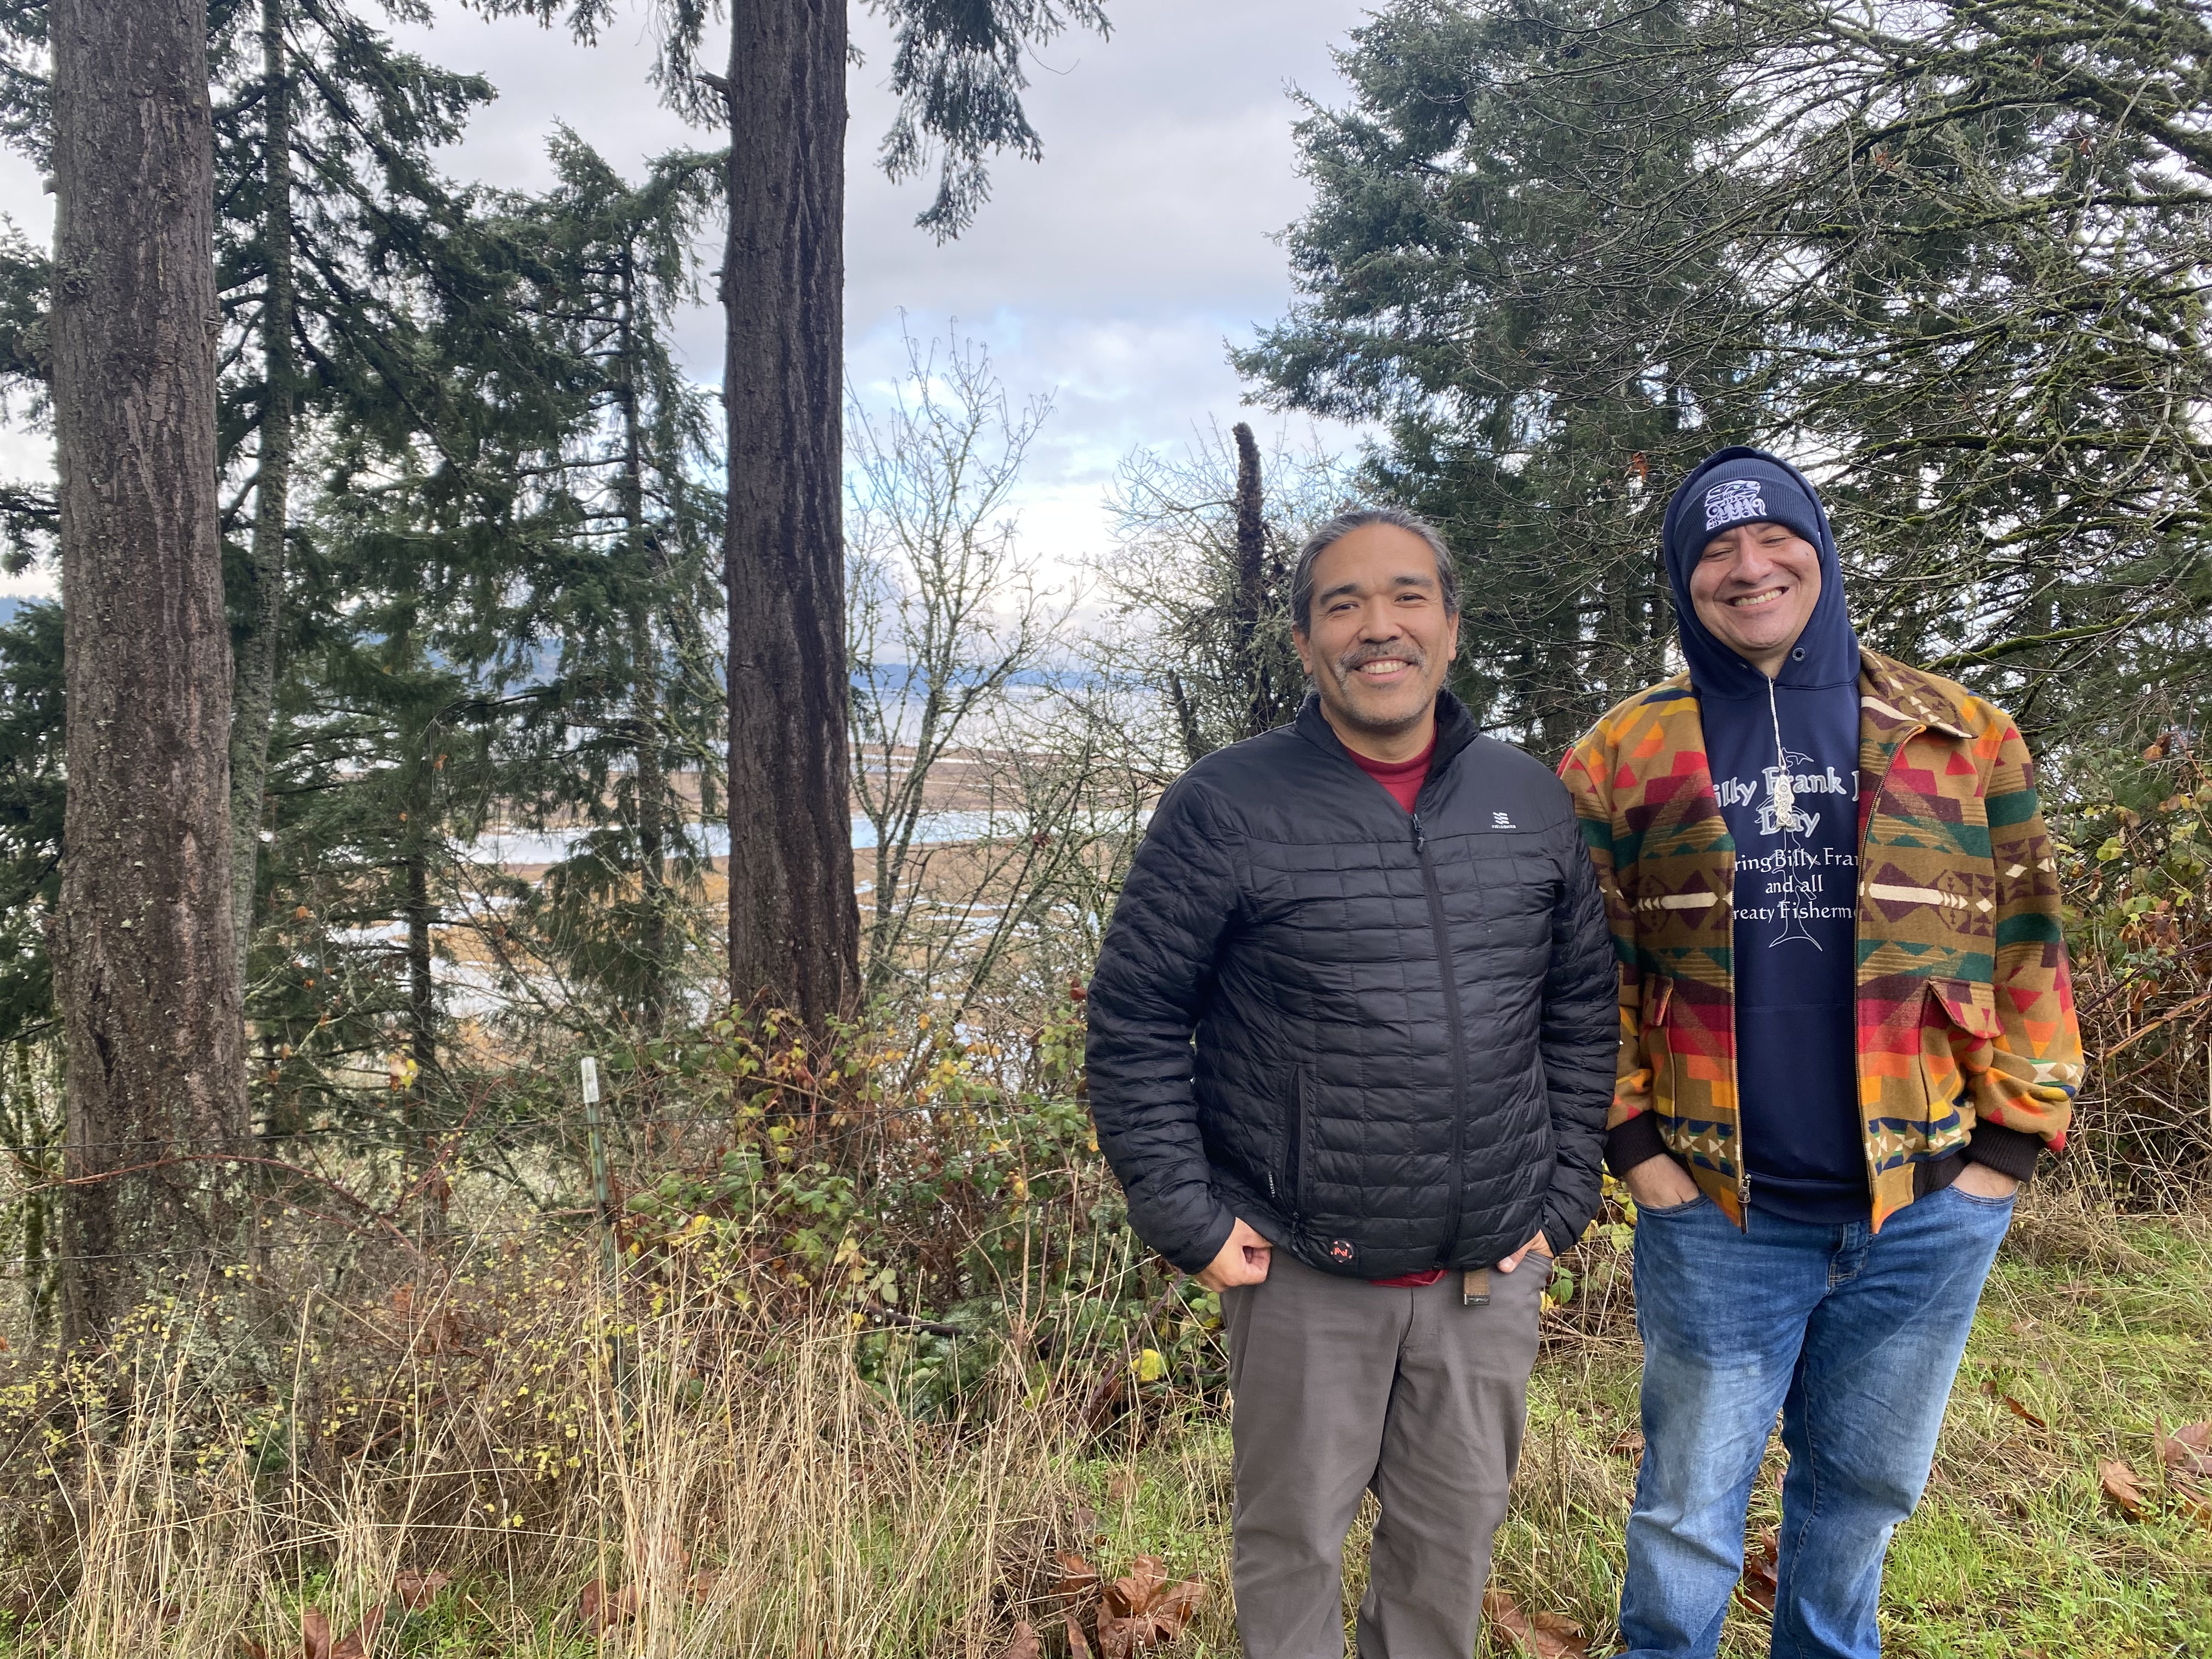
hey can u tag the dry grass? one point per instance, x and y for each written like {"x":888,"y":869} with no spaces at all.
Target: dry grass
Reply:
{"x":742,"y":1484}
{"x":734,"y":1486}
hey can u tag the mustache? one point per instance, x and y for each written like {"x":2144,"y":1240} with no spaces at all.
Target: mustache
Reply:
{"x":1404,"y":651}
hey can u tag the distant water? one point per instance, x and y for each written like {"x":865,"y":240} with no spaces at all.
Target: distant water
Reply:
{"x":523,"y":847}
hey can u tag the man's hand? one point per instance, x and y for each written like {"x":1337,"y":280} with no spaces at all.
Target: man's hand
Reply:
{"x":1659,"y":1184}
{"x":1242,"y":1260}
{"x":1982,"y":1181}
{"x":1540,"y":1244}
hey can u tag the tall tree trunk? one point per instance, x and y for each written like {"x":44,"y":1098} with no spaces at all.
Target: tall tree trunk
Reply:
{"x":146,"y":971}
{"x":423,"y":1029}
{"x":651,"y":777}
{"x":253,"y":693}
{"x":652,"y":823}
{"x":794,"y":923}
{"x":28,"y":1127}
{"x":1251,"y":573}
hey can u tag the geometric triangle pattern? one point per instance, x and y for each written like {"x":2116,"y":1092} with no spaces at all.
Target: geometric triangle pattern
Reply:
{"x":1965,"y":1008}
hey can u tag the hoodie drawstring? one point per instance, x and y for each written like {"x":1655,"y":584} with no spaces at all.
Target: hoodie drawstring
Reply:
{"x":1785,"y":792}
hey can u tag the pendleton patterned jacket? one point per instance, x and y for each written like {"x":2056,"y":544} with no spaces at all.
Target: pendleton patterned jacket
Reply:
{"x":1966,"y":1014}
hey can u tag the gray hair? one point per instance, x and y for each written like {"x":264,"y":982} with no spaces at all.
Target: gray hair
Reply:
{"x":1302,"y":580}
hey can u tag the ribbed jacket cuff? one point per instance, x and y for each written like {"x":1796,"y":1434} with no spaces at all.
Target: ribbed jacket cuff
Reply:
{"x":1634,"y":1142}
{"x":2009,"y":1152}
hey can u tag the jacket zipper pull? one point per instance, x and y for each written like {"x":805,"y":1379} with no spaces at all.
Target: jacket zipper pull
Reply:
{"x":1421,"y":841}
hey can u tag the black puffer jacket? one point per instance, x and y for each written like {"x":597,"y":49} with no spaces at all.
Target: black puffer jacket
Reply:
{"x":1405,"y":1026}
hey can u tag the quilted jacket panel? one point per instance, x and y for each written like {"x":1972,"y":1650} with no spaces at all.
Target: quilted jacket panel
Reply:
{"x":1386,"y":1041}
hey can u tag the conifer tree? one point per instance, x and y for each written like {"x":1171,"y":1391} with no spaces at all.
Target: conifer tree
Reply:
{"x":329,"y":217}
{"x":31,"y":770}
{"x":1949,"y":256}
{"x":957,"y":66}
{"x":634,"y":689}
{"x":333,"y":217}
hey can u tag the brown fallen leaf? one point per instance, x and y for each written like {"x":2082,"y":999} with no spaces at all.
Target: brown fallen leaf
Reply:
{"x":1546,"y":1635}
{"x":1136,"y":1592}
{"x":1989,"y":1388}
{"x":1078,"y":1646}
{"x":1023,"y":1643}
{"x":2119,"y":1481}
{"x":600,"y":1611}
{"x":416,"y":1590}
{"x":1178,"y":1604}
{"x":356,"y":1646}
{"x":2188,"y":1448}
{"x":1761,"y":1581}
{"x":1564,"y":1634}
{"x":1121,"y":1486}
{"x":253,"y":1650}
{"x":1142,"y":1611}
{"x":1629,"y":1442}
{"x":2192,"y":1499}
{"x":315,"y":1632}
{"x":705,"y":1584}
{"x":1078,"y":1577}
{"x":1117,"y":1636}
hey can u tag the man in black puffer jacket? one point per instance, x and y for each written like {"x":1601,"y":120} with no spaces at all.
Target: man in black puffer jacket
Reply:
{"x":1383,"y":933}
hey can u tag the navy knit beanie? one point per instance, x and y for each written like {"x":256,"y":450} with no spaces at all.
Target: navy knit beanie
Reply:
{"x":1744,"y":488}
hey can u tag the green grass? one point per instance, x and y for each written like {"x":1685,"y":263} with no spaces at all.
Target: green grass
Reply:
{"x":2100,"y":1327}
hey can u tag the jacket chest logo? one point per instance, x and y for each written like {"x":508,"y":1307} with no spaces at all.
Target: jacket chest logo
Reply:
{"x":1501,"y":821}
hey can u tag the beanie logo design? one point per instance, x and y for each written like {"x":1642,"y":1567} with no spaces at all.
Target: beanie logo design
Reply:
{"x":1733,"y":500}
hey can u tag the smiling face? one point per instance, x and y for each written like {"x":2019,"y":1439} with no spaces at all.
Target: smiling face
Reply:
{"x":1754,"y":586}
{"x":1378,"y":640}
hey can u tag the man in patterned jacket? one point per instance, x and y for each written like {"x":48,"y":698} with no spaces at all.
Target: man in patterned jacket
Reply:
{"x":1846,"y":1034}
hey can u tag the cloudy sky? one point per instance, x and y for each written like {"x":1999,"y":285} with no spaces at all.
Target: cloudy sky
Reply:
{"x":1112,"y":276}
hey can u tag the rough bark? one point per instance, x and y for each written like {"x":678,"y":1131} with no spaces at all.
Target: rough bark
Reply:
{"x":651,"y":826}
{"x":145,"y":971}
{"x":1251,"y":576}
{"x":423,"y":1032}
{"x":253,"y":693}
{"x":794,"y":923}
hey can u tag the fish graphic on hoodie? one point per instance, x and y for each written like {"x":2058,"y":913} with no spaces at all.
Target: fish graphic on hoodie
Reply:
{"x":1784,"y":756}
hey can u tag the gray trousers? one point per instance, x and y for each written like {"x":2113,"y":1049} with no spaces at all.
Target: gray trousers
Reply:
{"x":1340,"y":1388}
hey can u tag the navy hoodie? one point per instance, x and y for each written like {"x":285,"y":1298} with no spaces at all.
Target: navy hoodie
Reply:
{"x":1796,"y":871}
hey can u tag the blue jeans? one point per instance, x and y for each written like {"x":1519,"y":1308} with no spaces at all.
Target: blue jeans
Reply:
{"x":1854,"y":1337}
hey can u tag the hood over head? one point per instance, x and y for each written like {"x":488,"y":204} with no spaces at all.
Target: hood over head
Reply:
{"x":1742,"y":486}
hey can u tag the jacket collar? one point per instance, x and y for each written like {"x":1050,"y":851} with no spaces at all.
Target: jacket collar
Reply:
{"x":1890,"y":693}
{"x":1893,"y":696}
{"x":1456,"y":730}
